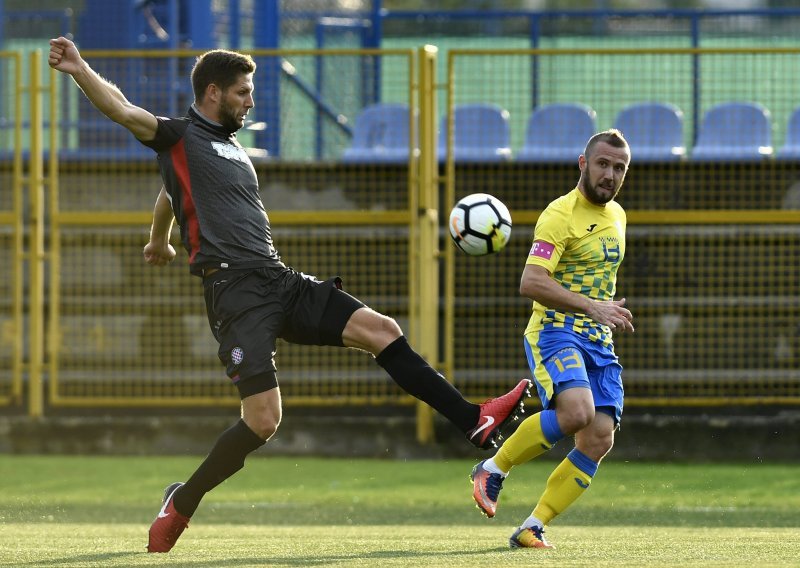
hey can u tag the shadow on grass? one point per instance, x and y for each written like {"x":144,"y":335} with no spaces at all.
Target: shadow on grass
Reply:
{"x":324,"y":560}
{"x":276,"y":514}
{"x":98,"y":559}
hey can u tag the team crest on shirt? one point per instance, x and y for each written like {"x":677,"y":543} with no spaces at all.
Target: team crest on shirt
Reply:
{"x":230,"y":152}
{"x":237,"y":355}
{"x":611,"y":248}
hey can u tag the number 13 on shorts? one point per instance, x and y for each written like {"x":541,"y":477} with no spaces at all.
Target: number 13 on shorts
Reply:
{"x":567,"y":369}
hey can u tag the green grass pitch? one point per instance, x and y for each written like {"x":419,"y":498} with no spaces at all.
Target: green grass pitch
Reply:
{"x":82,"y":511}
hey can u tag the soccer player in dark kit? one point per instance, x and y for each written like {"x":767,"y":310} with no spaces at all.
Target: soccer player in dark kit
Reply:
{"x":251,"y":297}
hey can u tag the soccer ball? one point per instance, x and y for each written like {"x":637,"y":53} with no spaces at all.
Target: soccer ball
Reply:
{"x":480,"y":224}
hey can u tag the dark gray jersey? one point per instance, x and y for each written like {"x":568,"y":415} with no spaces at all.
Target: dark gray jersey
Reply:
{"x":213,"y":189}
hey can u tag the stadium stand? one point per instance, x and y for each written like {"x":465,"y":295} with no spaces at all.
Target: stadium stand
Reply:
{"x":481,"y":134}
{"x":654,"y":131}
{"x":380,"y":135}
{"x":739,"y":131}
{"x":557,"y":133}
{"x":791,"y":146}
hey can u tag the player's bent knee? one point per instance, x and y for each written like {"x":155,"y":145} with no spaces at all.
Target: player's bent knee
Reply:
{"x":597,"y":451}
{"x":605,"y":444}
{"x":262,"y":413}
{"x":386,"y":326}
{"x":575,"y":419}
{"x":263,"y":426}
{"x":370,"y":330}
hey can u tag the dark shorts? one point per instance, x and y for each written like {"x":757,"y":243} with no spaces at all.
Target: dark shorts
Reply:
{"x":249,"y":309}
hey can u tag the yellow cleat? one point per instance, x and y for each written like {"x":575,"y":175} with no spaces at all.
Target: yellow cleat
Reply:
{"x":529,"y":537}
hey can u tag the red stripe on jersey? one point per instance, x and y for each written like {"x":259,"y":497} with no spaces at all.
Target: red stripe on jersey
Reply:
{"x":178,"y":155}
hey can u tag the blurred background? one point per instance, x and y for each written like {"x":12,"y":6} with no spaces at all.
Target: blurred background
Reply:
{"x":371,"y":120}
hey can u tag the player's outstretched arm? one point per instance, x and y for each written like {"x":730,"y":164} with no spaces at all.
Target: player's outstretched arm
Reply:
{"x":64,"y":57}
{"x":158,"y":251}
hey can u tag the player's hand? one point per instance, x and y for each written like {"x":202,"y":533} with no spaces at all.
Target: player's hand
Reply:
{"x":64,"y":56}
{"x":158,"y":254}
{"x":613,"y":314}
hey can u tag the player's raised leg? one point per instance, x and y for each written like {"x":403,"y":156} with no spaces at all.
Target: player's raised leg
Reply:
{"x":371,"y":331}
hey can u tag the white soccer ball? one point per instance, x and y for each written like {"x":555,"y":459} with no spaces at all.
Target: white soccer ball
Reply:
{"x":480,"y":224}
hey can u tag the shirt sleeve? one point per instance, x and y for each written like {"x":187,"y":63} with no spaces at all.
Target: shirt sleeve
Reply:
{"x":549,"y":239}
{"x":168,"y":133}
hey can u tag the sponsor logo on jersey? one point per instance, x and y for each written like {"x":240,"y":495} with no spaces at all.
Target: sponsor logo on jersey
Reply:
{"x":542,"y":249}
{"x":230,"y":152}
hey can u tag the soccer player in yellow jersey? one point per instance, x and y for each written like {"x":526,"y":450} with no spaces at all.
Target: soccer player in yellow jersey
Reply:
{"x":570,"y":275}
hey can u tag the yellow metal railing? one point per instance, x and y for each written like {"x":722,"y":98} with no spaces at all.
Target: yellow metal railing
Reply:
{"x":687,"y":223}
{"x":71,"y":386}
{"x":426,"y":250}
{"x":12,"y":328}
{"x":711,"y":272}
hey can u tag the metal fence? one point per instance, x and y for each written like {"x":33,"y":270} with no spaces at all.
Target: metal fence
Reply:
{"x":713,"y":246}
{"x":11,"y":230}
{"x":712,"y":272}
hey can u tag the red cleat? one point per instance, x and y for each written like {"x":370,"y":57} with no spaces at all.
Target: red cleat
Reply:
{"x":169,"y":524}
{"x":495,"y":415}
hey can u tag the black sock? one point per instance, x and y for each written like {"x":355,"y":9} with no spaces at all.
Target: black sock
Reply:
{"x":420,"y":380}
{"x":225,"y":459}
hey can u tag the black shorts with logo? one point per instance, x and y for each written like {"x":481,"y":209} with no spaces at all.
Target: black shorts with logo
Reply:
{"x":249,"y":309}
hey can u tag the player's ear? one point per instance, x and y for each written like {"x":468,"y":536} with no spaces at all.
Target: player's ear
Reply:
{"x":213,"y":93}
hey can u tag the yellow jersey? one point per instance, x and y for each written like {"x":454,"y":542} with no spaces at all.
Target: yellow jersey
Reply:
{"x":582,"y":245}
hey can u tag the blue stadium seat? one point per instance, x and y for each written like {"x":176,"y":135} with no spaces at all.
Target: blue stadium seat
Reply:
{"x":653,"y":130}
{"x":481,"y":134}
{"x":557,"y":133}
{"x":791,"y":147}
{"x":736,"y":131}
{"x":380,"y":135}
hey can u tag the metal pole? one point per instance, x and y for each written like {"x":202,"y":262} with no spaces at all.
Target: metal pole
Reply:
{"x":36,"y":248}
{"x":428,"y":222}
{"x":19,"y":254}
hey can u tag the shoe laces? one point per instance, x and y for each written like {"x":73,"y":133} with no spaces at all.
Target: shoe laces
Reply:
{"x":538,"y":532}
{"x":494,"y":483}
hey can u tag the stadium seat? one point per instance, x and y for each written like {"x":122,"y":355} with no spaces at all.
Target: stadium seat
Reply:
{"x":734,"y":131}
{"x":557,"y":133}
{"x":380,"y":135}
{"x":653,"y":130}
{"x":791,"y":147}
{"x":481,"y":134}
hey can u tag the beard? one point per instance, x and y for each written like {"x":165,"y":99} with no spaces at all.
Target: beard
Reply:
{"x":596,"y":195}
{"x":228,"y":117}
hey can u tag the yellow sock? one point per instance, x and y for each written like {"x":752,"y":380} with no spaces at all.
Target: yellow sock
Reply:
{"x":567,"y":482}
{"x":533,"y":437}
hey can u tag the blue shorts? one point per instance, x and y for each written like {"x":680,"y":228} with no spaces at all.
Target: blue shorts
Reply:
{"x":561,"y":360}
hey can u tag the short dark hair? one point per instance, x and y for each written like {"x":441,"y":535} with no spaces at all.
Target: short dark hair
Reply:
{"x":612,"y":137}
{"x":220,"y":67}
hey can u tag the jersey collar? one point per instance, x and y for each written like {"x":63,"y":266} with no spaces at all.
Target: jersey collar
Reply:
{"x":195,"y":113}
